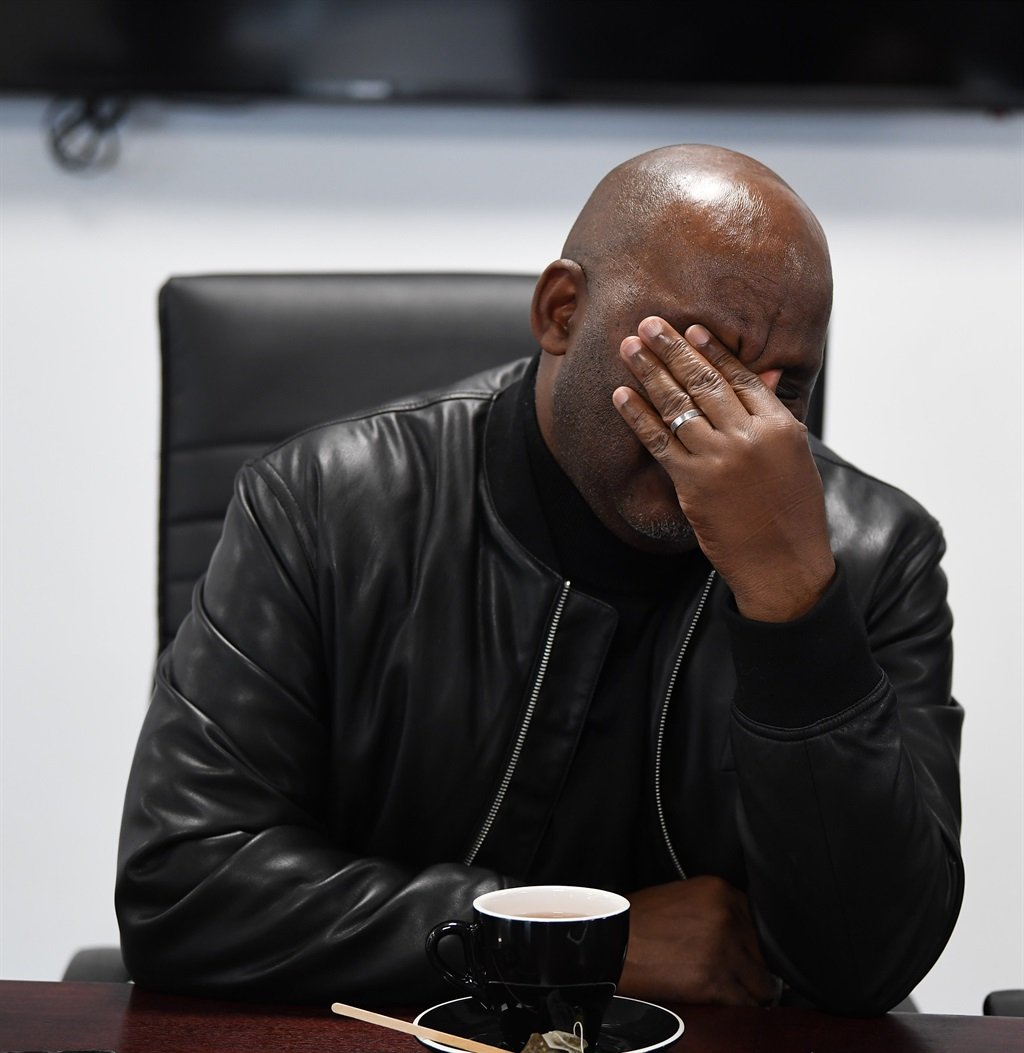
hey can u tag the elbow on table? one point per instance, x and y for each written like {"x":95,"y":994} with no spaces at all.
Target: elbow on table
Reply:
{"x":867,"y":967}
{"x":152,"y":954}
{"x":881,"y":981}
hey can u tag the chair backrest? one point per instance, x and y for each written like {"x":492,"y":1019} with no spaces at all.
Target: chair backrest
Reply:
{"x":250,"y":359}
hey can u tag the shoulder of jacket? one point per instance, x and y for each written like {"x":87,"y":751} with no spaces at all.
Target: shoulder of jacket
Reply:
{"x":878,"y":530}
{"x":369,"y":457}
{"x":846,"y":482}
{"x":465,"y":398}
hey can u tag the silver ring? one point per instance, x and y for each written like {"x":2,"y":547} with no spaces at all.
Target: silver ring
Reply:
{"x":690,"y":414}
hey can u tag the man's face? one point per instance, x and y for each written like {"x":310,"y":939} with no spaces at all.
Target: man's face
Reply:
{"x":769,"y":307}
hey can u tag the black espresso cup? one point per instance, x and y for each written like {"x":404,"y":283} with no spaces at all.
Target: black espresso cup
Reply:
{"x":541,"y":958}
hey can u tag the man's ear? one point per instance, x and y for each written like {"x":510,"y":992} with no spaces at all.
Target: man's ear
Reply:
{"x":556,"y":299}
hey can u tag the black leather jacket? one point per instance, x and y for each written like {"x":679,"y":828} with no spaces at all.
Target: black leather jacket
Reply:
{"x":365,"y":720}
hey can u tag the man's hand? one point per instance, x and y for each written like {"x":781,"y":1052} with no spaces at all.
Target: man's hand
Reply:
{"x":743,"y":471}
{"x":694,"y":942}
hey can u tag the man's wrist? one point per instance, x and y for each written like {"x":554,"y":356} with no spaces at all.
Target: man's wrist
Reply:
{"x":788,"y":596}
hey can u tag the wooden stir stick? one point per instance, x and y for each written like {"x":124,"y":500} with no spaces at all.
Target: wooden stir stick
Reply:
{"x":417,"y":1030}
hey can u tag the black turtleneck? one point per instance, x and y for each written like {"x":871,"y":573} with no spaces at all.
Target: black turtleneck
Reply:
{"x":603,"y":829}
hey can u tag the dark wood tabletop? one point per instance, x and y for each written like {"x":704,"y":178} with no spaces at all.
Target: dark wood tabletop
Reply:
{"x":120,"y":1017}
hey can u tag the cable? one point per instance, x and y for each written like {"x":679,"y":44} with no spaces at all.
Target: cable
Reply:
{"x":83,"y":132}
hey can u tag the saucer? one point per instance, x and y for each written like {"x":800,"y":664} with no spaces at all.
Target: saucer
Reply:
{"x":630,"y":1026}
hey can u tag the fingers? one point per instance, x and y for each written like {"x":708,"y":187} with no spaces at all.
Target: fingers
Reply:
{"x":677,"y":378}
{"x":679,"y":373}
{"x":754,"y":390}
{"x":753,"y":976}
{"x":649,"y":427}
{"x":746,"y":959}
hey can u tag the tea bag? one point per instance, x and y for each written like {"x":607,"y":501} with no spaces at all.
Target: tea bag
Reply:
{"x":570,"y":1042}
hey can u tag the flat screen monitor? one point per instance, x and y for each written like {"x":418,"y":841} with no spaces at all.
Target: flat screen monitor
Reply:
{"x":915,"y":52}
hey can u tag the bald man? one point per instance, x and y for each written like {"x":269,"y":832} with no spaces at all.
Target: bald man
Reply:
{"x":607,"y":617}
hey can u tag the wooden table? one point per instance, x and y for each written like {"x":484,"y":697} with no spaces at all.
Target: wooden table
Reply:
{"x":120,"y":1017}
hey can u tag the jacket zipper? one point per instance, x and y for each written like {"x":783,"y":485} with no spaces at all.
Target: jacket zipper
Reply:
{"x":517,"y":749}
{"x":664,"y":719}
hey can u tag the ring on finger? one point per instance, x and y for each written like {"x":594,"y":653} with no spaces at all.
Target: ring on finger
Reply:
{"x":690,"y":414}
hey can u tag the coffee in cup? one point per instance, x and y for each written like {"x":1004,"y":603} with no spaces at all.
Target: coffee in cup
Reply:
{"x":540,"y":957}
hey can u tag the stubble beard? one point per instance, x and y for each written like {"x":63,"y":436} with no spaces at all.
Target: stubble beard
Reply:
{"x":672,"y":530}
{"x":577,"y":390}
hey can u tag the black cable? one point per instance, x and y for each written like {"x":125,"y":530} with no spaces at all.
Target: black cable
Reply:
{"x":83,"y":132}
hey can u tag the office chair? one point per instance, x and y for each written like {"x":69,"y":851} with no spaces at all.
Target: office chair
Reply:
{"x":249,"y":359}
{"x":1004,"y":1003}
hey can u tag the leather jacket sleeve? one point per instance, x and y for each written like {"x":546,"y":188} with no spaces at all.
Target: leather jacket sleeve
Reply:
{"x":846,"y":743}
{"x":230,"y":881}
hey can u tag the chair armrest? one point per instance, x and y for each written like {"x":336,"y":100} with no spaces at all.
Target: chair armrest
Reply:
{"x":1004,"y":1003}
{"x":103,"y":964}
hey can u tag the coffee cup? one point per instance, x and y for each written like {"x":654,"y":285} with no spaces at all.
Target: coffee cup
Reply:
{"x":540,"y":957}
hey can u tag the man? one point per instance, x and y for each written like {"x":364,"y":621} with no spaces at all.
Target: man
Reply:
{"x":604,"y":618}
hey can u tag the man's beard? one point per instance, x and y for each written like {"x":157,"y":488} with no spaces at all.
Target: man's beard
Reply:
{"x":580,"y":388}
{"x":672,"y":529}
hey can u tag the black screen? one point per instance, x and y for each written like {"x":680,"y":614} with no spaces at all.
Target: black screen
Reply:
{"x":929,"y":52}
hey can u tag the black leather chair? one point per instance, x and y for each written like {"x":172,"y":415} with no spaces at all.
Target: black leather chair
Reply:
{"x":1004,"y":1003}
{"x":250,"y":359}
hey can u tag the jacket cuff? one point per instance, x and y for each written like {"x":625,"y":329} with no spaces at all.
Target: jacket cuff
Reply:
{"x":795,"y":674}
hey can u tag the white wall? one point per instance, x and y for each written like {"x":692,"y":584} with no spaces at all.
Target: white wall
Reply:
{"x":924,"y":212}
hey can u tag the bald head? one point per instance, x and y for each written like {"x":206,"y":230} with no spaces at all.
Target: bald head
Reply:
{"x":711,"y":202}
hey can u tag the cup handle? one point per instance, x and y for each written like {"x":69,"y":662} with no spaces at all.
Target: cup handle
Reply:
{"x":473,"y":979}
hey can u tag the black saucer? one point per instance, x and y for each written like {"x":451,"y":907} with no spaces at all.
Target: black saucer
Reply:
{"x":630,"y":1026}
